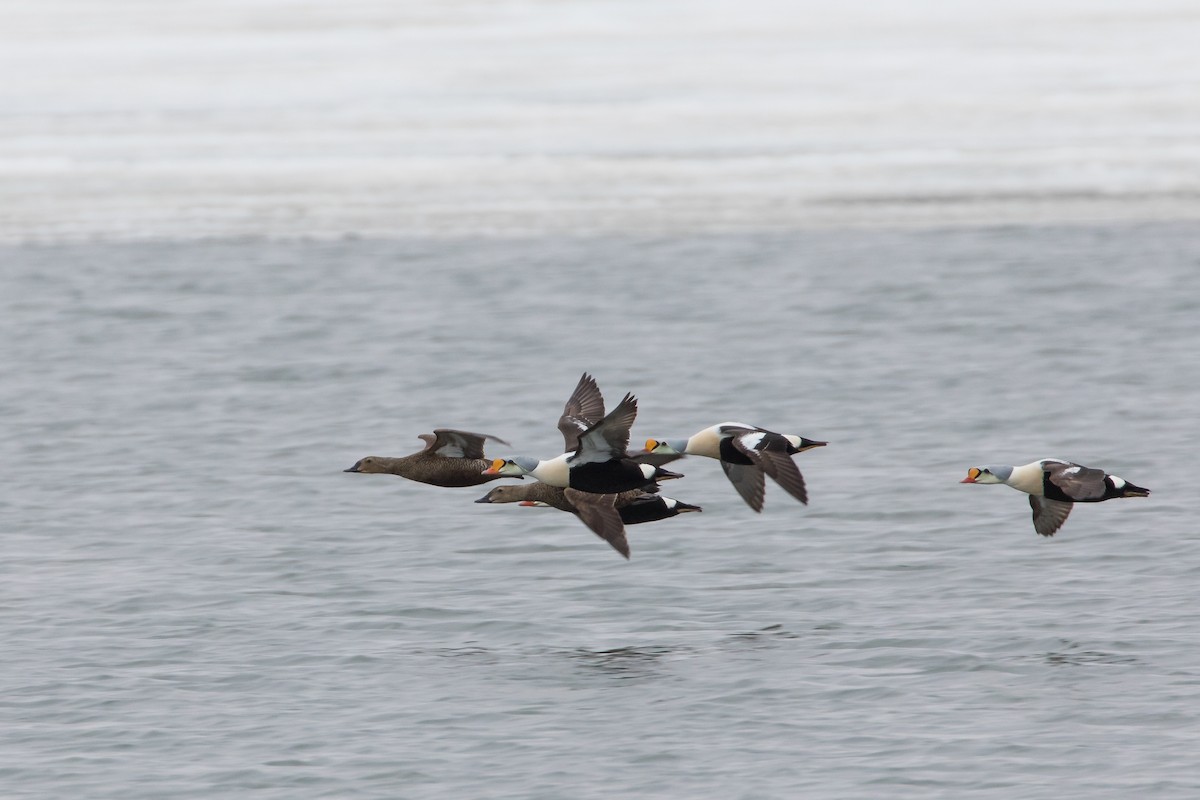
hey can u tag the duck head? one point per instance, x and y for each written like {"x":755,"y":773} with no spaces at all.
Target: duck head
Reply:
{"x":991,"y":473}
{"x":370,"y":464}
{"x":513,"y":467}
{"x":667,"y":447}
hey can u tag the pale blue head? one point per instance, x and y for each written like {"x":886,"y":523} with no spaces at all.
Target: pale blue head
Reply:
{"x":990,"y":473}
{"x":668,"y":447}
{"x":513,"y":467}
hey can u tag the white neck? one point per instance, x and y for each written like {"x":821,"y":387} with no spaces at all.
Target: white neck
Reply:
{"x":705,"y":443}
{"x":554,"y":472}
{"x":1027,"y":479}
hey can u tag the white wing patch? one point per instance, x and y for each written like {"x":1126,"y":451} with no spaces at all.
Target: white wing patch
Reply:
{"x":752,"y":441}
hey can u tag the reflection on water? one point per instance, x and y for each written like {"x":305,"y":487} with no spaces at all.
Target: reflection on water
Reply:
{"x":1073,"y":654}
{"x":767,"y":634}
{"x":624,"y":662}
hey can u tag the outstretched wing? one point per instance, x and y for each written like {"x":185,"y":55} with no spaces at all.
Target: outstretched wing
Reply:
{"x":769,"y":451}
{"x":1075,"y":481}
{"x":584,"y":408}
{"x":1048,"y":515}
{"x":457,"y":444}
{"x":599,"y":512}
{"x":608,"y":438}
{"x":784,"y":471}
{"x":748,"y":480}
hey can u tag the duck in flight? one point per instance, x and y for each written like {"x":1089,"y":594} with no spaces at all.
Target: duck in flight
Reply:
{"x":605,"y":514}
{"x":746,"y":453}
{"x":598,"y":464}
{"x":450,"y":458}
{"x":1055,"y":486}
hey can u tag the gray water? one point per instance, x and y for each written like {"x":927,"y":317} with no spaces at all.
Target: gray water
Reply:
{"x":198,"y":602}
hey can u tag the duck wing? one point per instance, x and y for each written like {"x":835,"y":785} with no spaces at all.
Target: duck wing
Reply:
{"x":784,"y":471}
{"x":748,"y":480}
{"x":1075,"y":481}
{"x":608,"y":439}
{"x":584,"y":408}
{"x":1048,"y":515}
{"x":770,"y":451}
{"x":599,"y":512}
{"x":457,"y":444}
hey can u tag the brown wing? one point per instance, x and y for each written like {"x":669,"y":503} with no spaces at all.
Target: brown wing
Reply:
{"x":748,"y":480}
{"x":784,"y":471}
{"x":458,"y":444}
{"x":584,"y":408}
{"x":776,"y":463}
{"x":1048,"y":515}
{"x":599,"y":512}
{"x":1075,"y":481}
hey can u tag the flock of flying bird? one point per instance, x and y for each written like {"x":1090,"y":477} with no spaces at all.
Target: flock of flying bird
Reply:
{"x":608,"y":487}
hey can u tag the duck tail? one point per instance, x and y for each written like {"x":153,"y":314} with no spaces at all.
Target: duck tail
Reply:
{"x":1129,"y":490}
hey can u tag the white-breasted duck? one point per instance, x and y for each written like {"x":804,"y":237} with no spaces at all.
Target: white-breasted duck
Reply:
{"x":450,"y":458}
{"x":1055,"y":486}
{"x":598,"y":464}
{"x":746,"y":452}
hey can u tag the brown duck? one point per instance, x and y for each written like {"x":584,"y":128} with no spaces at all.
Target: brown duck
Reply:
{"x":450,"y":458}
{"x":455,"y":458}
{"x":606,"y":514}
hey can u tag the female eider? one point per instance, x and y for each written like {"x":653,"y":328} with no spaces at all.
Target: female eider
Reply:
{"x":745,"y":452}
{"x":450,"y":458}
{"x":1054,"y":486}
{"x":599,"y":463}
{"x":605,"y":514}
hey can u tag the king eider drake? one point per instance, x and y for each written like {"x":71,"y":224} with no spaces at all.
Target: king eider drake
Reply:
{"x":746,"y":452}
{"x":450,"y":458}
{"x":605,"y":514}
{"x":598,"y":464}
{"x":1054,"y":486}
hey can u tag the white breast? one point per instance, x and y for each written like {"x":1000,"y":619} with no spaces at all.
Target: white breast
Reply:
{"x":1028,"y":479}
{"x":705,"y":443}
{"x":554,"y":472}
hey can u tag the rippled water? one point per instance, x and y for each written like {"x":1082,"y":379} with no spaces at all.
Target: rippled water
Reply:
{"x":243,"y":244}
{"x":197,"y":602}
